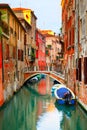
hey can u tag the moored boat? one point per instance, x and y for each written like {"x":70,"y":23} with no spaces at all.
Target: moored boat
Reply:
{"x":64,"y":96}
{"x":54,"y":87}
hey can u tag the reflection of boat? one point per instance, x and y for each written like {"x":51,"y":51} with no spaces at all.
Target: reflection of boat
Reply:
{"x":64,"y":95}
{"x":54,"y":87}
{"x":67,"y":110}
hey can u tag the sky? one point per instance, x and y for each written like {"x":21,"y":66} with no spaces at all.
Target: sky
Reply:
{"x":48,"y":12}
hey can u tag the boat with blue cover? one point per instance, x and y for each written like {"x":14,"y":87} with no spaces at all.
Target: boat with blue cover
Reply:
{"x":64,"y":96}
{"x":54,"y":87}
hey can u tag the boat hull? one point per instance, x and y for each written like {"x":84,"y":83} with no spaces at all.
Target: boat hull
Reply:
{"x":63,"y":101}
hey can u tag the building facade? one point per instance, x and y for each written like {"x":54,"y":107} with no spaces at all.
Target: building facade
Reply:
{"x":74,"y":29}
{"x":12,"y":51}
{"x":81,"y":48}
{"x":28,"y":15}
{"x":53,"y":50}
{"x":68,"y":30}
{"x":40,"y":52}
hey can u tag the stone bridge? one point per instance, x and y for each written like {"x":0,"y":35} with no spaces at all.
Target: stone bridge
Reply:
{"x":54,"y":75}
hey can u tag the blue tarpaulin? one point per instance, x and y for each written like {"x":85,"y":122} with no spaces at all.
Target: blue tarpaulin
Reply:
{"x":61,"y":91}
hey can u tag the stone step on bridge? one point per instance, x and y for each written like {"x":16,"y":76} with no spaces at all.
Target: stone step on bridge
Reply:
{"x":54,"y":75}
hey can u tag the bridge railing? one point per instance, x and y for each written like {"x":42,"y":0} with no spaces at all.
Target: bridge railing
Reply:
{"x":47,"y":69}
{"x":34,"y":68}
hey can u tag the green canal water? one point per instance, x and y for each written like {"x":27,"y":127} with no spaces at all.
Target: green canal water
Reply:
{"x":33,"y":108}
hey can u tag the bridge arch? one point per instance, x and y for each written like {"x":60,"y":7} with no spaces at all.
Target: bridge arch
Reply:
{"x":30,"y":74}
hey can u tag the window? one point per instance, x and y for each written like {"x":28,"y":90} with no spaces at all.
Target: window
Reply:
{"x":20,"y":55}
{"x":7,"y":52}
{"x":78,"y":70}
{"x":14,"y":52}
{"x":79,"y":67}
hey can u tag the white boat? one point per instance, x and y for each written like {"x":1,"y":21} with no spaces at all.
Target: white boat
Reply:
{"x":64,"y":95}
{"x":54,"y":87}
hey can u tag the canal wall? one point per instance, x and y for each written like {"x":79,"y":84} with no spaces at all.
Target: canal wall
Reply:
{"x":11,"y":88}
{"x":84,"y":106}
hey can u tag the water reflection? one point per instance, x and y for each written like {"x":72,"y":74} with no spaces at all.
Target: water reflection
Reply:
{"x":42,"y":87}
{"x":30,"y":110}
{"x":66,"y":110}
{"x":50,"y":119}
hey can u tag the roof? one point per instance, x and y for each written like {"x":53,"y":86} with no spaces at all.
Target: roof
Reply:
{"x":38,"y":30}
{"x":19,"y":8}
{"x":48,"y":33}
{"x":22,"y":9}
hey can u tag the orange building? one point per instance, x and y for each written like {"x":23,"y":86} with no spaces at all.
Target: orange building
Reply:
{"x":68,"y":30}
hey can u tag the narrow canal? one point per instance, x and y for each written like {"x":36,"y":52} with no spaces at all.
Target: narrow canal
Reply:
{"x":32,"y":108}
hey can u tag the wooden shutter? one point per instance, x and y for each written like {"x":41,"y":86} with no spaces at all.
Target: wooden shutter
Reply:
{"x":79,"y":66}
{"x":85,"y":70}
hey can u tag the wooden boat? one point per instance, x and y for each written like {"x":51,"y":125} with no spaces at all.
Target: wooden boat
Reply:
{"x":64,"y":96}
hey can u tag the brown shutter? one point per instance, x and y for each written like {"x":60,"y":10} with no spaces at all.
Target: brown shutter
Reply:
{"x":85,"y":70}
{"x":79,"y":66}
{"x":7,"y":51}
{"x":19,"y":54}
{"x":78,"y":70}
